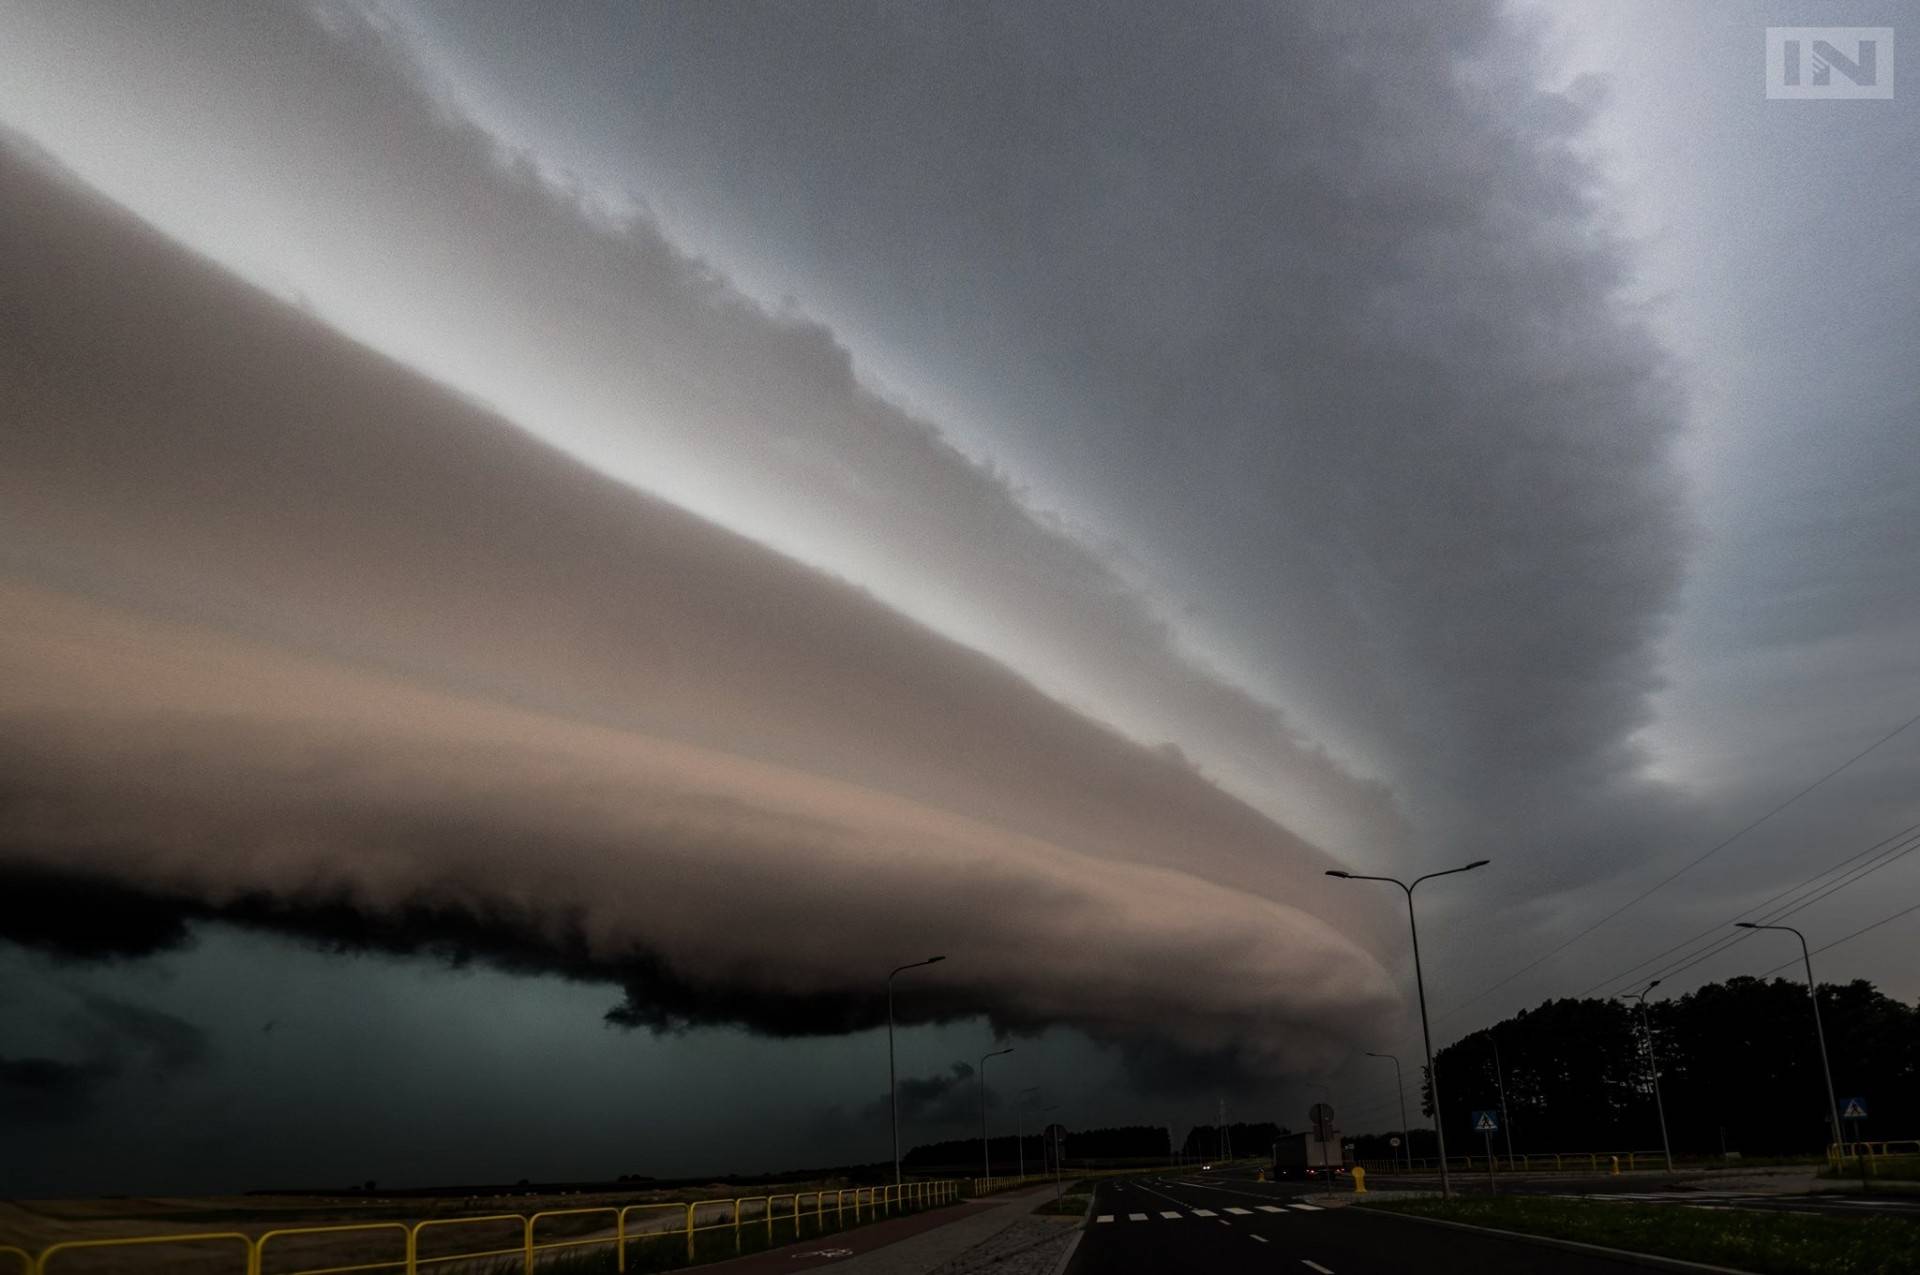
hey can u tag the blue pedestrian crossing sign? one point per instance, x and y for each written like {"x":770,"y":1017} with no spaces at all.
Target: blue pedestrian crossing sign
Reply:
{"x":1854,"y":1109}
{"x":1485,"y":1122}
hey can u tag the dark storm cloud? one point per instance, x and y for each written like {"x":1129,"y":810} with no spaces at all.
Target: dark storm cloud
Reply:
{"x":300,"y":640}
{"x":48,"y":1090}
{"x":114,"y":1037}
{"x":944,"y":1098}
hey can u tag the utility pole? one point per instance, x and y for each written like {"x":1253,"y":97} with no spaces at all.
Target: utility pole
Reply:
{"x":893,"y":1088}
{"x":1051,"y":1141}
{"x":1653,"y":1062}
{"x":1420,"y":983}
{"x":1500,"y":1078}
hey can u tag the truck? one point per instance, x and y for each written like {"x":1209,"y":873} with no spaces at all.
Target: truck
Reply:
{"x":1310,"y":1155}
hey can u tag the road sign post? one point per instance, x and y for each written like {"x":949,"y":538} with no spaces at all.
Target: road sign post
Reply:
{"x":1487,"y":1123}
{"x":1853,"y":1111}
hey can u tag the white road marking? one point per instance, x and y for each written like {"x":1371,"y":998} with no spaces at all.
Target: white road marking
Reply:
{"x":1170,"y":1215}
{"x":1238,"y":1212}
{"x":1205,"y":1213}
{"x":1261,"y":1238}
{"x":1270,"y":1208}
{"x":1316,"y":1266}
{"x":1136,"y":1217}
{"x":1307,"y":1208}
{"x":1104,"y":1217}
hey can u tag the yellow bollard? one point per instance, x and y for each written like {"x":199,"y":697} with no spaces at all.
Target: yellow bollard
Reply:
{"x":1616,"y":1165}
{"x":1359,"y":1180}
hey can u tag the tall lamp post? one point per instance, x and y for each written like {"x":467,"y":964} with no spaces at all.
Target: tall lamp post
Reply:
{"x":1400,"y":1084}
{"x":986,"y":1154}
{"x":1653,"y":1062}
{"x":893,"y":1089}
{"x":1820,"y":1033}
{"x":1419,"y":981}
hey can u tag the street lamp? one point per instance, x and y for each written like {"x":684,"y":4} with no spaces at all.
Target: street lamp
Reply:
{"x":1401,"y":1085}
{"x":1820,"y":1033}
{"x":1020,"y":1126}
{"x":1653,"y":1061}
{"x":986,"y":1155}
{"x":893,"y":1091}
{"x":1419,"y":980}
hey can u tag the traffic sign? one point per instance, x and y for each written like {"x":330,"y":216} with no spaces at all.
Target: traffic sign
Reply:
{"x":1485,"y":1122}
{"x":1854,"y":1109}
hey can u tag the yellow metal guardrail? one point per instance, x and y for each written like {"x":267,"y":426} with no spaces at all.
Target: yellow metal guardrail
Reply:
{"x":1872,"y":1152}
{"x":512,"y":1235}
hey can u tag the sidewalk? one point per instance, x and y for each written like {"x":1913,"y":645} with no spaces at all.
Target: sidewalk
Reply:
{"x":951,"y":1241}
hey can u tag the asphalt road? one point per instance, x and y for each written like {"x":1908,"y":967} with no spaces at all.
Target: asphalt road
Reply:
{"x":1155,"y":1226}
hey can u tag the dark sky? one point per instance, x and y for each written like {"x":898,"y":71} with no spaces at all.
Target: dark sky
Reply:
{"x":677,"y":509}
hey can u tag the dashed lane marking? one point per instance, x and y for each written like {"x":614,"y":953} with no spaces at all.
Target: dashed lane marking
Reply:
{"x":1316,"y":1266}
{"x":1104,"y":1217}
{"x":1237,"y":1212}
{"x":1205,"y":1213}
{"x":1261,"y":1238}
{"x":1269,"y":1208}
{"x":1136,"y":1217}
{"x":1170,"y":1215}
{"x":1307,"y":1208}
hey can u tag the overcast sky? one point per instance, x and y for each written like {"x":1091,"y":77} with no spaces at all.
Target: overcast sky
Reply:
{"x":680,"y":508}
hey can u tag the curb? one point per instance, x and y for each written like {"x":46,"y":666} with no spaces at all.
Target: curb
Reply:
{"x":1079,"y":1232}
{"x":1575,"y":1246}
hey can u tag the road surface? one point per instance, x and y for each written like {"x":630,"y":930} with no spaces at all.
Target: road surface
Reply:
{"x":1215,"y":1224}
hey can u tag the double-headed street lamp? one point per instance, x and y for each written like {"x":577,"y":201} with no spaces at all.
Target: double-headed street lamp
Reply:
{"x":1400,"y":1083}
{"x":986,"y":1154}
{"x":1419,"y":981}
{"x":893,"y":1090}
{"x":1820,"y":1033}
{"x":1653,"y":1062}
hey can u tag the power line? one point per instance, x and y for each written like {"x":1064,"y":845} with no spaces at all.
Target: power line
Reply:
{"x":1881,"y":854}
{"x":1847,"y":938}
{"x":1679,"y":872}
{"x":1783,"y":913}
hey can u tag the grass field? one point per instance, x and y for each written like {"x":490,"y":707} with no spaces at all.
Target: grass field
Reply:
{"x":1072,"y":1204}
{"x":1769,"y":1243}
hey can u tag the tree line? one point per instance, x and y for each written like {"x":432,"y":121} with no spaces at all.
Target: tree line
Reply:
{"x":1739,"y":1070}
{"x":1079,"y":1147}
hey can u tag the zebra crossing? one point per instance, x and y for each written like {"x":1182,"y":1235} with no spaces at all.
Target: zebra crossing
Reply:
{"x":1175,"y":1215}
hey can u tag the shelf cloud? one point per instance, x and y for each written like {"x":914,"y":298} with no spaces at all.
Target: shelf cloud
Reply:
{"x":302,"y":640}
